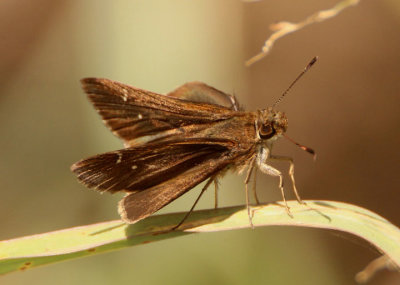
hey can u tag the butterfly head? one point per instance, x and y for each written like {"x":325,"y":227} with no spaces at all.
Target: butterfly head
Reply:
{"x":271,"y":124}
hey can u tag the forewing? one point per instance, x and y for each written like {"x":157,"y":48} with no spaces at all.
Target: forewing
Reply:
{"x":142,"y":167}
{"x":132,"y":113}
{"x":139,"y":205}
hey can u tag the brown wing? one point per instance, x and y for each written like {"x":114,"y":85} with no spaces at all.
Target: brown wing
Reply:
{"x":200,"y":92}
{"x":142,"y":167}
{"x":139,"y":205}
{"x":133,"y":114}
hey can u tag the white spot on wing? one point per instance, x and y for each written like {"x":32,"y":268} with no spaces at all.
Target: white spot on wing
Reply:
{"x":125,"y":96}
{"x":133,"y":167}
{"x":139,"y":116}
{"x":119,"y":157}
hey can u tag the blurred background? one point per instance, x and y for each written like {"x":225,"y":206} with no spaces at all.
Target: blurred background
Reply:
{"x":346,"y":108}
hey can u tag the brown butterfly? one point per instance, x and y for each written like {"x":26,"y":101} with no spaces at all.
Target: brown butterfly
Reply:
{"x":176,"y":141}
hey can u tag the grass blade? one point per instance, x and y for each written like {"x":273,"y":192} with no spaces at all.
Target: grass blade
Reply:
{"x":31,"y":251}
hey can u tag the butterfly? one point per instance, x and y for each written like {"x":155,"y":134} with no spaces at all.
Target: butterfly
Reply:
{"x":176,"y":141}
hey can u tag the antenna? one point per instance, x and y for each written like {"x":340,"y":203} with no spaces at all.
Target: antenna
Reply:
{"x":309,"y":65}
{"x":303,"y":147}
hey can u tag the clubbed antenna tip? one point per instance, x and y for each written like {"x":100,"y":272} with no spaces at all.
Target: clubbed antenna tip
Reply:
{"x":303,"y":147}
{"x":309,"y":65}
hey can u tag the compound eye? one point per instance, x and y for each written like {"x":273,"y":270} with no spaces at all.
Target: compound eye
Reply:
{"x":266,"y":131}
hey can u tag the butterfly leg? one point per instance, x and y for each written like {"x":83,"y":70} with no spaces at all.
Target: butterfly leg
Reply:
{"x":254,"y":186}
{"x":195,"y":202}
{"x":246,"y":184}
{"x":291,"y":173}
{"x":268,"y":169}
{"x":216,"y":188}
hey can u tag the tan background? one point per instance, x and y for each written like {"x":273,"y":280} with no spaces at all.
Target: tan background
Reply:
{"x":346,"y":108}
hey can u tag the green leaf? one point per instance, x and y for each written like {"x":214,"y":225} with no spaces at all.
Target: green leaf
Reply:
{"x":31,"y":251}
